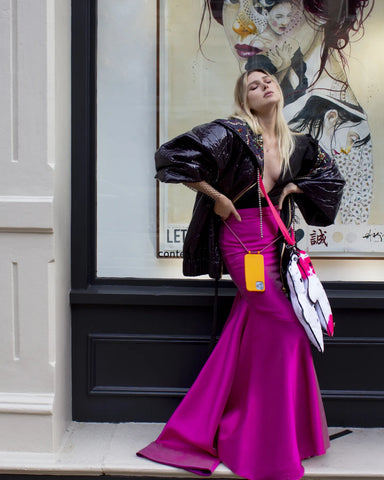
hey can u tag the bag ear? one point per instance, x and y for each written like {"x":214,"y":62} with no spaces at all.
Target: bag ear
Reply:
{"x":316,"y":293}
{"x":304,"y":309}
{"x":318,"y":296}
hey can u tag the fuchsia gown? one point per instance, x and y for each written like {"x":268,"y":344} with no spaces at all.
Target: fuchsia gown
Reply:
{"x":256,"y":404}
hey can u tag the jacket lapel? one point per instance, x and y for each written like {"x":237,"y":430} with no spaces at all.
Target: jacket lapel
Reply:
{"x":253,"y":142}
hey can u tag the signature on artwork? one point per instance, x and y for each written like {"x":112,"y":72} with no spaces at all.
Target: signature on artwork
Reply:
{"x":374,"y":236}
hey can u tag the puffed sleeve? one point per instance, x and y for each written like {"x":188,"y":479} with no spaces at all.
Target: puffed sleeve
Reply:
{"x":193,"y":156}
{"x":322,"y":186}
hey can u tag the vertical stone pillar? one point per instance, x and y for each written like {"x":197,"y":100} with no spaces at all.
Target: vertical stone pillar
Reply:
{"x":34,"y":223}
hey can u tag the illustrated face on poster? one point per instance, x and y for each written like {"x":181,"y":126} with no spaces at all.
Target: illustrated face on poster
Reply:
{"x":286,"y":38}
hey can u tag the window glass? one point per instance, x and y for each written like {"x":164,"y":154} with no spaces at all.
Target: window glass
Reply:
{"x":126,"y":141}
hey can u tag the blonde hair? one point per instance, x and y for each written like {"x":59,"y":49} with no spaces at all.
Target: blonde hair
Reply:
{"x":242,"y":111}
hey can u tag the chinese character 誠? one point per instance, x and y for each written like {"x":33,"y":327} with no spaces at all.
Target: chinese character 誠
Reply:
{"x":319,"y":237}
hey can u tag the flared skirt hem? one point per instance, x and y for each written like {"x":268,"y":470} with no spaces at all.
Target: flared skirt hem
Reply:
{"x":204,"y":464}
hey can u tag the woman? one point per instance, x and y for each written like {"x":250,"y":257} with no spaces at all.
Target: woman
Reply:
{"x":302,"y":43}
{"x":256,"y":405}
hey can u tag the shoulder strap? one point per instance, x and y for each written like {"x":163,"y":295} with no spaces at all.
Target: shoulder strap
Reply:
{"x":290,"y":239}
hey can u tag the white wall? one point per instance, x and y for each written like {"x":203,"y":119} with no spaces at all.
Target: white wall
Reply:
{"x":34,"y":223}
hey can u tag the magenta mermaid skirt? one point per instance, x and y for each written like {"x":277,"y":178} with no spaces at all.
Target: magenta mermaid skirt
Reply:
{"x":256,"y":404}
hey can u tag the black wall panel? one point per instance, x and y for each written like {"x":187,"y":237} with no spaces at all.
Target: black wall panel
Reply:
{"x":175,"y":363}
{"x":135,"y":354}
{"x":135,"y":362}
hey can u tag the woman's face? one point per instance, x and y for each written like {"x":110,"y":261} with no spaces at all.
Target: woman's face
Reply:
{"x":280,"y":17}
{"x":263,"y":93}
{"x":252,"y":30}
{"x":338,"y":138}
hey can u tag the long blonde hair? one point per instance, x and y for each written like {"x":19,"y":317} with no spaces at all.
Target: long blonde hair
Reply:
{"x":243,"y":112}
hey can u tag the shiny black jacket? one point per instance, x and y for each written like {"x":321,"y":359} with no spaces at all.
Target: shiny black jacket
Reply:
{"x":226,"y":154}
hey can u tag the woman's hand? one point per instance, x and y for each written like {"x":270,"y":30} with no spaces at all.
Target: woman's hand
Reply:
{"x":224,"y":208}
{"x":288,"y":189}
{"x":281,"y":56}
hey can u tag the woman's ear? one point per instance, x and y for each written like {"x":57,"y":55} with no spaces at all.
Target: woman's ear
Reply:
{"x":331,"y":118}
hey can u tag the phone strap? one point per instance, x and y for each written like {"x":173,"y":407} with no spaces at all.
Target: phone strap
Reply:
{"x":290,"y":239}
{"x":242,"y":244}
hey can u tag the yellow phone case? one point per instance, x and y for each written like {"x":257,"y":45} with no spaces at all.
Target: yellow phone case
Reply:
{"x":254,"y":272}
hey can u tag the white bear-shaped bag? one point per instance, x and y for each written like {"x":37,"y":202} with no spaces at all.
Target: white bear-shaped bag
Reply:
{"x":309,"y":299}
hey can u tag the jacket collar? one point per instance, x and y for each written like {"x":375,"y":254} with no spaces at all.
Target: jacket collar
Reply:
{"x":254,"y":142}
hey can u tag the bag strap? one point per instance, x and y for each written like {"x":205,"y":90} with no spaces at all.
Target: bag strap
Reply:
{"x":290,"y":239}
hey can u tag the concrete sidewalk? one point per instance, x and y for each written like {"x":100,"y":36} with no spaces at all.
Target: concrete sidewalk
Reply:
{"x":110,"y":449}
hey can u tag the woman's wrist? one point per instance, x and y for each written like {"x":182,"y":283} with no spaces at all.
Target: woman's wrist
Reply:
{"x":206,"y":188}
{"x":218,"y":196}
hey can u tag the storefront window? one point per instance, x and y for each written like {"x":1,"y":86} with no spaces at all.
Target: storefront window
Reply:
{"x":154,"y":82}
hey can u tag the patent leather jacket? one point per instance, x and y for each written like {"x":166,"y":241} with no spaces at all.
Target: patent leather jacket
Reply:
{"x":226,"y":154}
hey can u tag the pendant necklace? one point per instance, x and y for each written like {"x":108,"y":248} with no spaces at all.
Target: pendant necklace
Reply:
{"x":260,"y":208}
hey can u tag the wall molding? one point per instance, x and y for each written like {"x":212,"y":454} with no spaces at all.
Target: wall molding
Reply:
{"x":26,"y":403}
{"x":353,"y":394}
{"x":26,"y":214}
